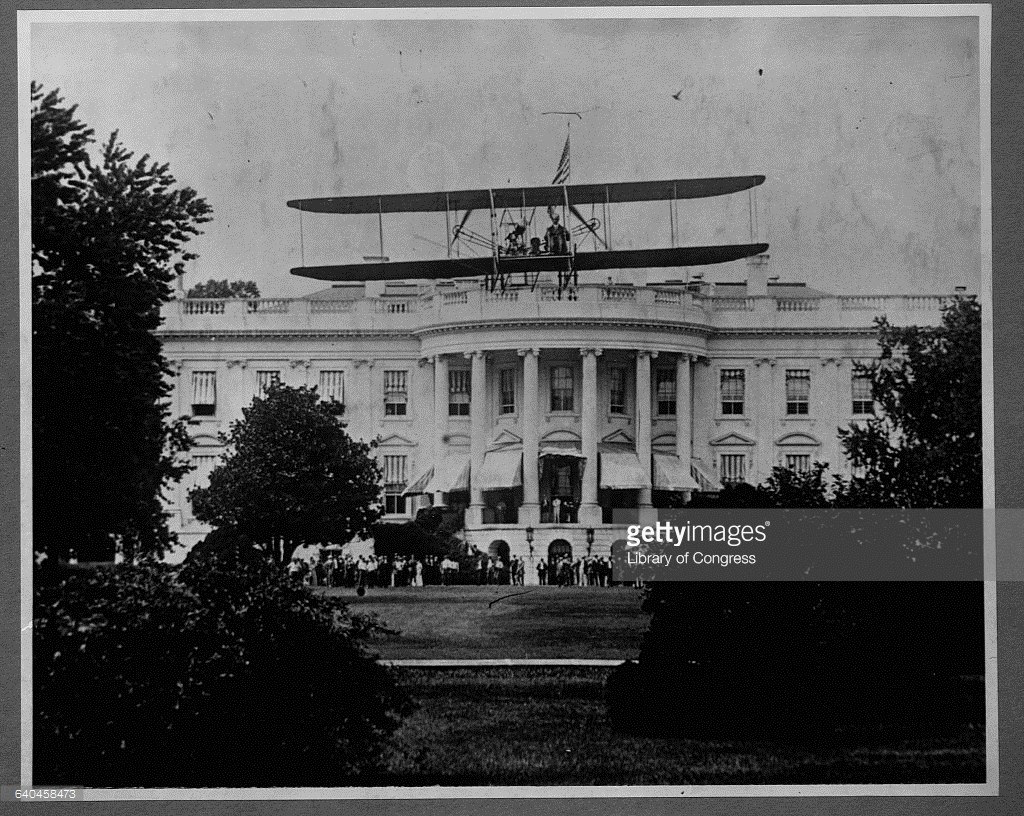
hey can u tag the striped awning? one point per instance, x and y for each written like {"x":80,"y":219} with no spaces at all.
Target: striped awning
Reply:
{"x":419,"y":484}
{"x":501,"y":469}
{"x":671,"y":473}
{"x":561,"y":449}
{"x":450,"y":474}
{"x":622,"y":471}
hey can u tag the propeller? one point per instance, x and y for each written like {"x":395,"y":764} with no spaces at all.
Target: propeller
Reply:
{"x":458,"y":230}
{"x":588,"y":224}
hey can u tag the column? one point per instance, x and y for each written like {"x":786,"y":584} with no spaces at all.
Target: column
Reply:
{"x":684,"y":412}
{"x":762,"y":403}
{"x":478,"y":436}
{"x":826,"y":407}
{"x":643,"y":418}
{"x":590,"y":510}
{"x":440,"y":417}
{"x":236,"y":390}
{"x":529,"y":513}
{"x":367,"y":404}
{"x":301,"y":369}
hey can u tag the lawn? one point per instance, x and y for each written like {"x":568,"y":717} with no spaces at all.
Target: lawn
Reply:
{"x":547,"y":726}
{"x":481,"y":622}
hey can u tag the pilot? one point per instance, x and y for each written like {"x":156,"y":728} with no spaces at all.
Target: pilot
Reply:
{"x":535,"y":248}
{"x":557,"y":237}
{"x":515,"y":240}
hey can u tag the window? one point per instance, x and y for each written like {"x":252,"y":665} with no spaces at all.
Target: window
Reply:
{"x":561,"y":388}
{"x":800,"y":462}
{"x":733,"y":390}
{"x":203,"y":465}
{"x":617,"y":389}
{"x":507,"y":389}
{"x":332,"y":389}
{"x":396,"y":396}
{"x":394,"y":484}
{"x":734,"y":468}
{"x":264,"y":379}
{"x":798,"y":391}
{"x":665,"y":390}
{"x":863,"y":402}
{"x":458,"y":393}
{"x":204,"y":393}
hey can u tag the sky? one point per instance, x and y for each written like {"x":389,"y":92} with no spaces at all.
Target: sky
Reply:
{"x":867,"y":130}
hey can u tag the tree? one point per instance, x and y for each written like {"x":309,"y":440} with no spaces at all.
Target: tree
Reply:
{"x":865,"y":654}
{"x":924,"y":448}
{"x":108,"y":241}
{"x":222,"y":289}
{"x":292,"y":476}
{"x":151,"y":676}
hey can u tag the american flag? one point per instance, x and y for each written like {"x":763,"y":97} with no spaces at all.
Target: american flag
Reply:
{"x":562,"y":173}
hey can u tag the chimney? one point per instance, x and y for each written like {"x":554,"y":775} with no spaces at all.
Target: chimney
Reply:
{"x":757,"y":275}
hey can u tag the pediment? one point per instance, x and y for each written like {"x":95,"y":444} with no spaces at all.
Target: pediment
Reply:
{"x":506,"y":437}
{"x":560,"y":435}
{"x":733,"y":438}
{"x":395,"y":439}
{"x":205,"y":441}
{"x":798,"y":439}
{"x":618,"y":437}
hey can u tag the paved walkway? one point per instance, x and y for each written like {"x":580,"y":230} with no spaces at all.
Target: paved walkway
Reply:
{"x":485,"y":662}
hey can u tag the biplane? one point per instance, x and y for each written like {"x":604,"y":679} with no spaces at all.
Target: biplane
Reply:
{"x":509,"y":252}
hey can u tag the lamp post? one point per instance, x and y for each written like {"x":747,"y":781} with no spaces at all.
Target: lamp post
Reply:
{"x":590,"y":539}
{"x":529,"y":539}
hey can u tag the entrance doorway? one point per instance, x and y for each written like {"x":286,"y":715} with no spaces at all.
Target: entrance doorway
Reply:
{"x":560,"y":489}
{"x":560,"y":562}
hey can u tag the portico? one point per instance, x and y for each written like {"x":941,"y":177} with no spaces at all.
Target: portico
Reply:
{"x":558,"y":427}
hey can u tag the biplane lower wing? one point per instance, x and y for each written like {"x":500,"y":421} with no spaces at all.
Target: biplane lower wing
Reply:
{"x":481,"y":267}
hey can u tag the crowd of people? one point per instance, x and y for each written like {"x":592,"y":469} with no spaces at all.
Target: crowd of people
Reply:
{"x":334,"y":569}
{"x":586,"y":571}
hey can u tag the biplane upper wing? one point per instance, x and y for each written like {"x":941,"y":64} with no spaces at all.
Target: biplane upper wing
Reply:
{"x":480,"y":267}
{"x":511,"y":197}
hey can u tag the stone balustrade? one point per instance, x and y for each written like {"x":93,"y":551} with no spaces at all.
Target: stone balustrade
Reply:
{"x":592,"y":301}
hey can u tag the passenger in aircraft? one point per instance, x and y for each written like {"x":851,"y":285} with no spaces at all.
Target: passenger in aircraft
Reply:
{"x":557,"y":237}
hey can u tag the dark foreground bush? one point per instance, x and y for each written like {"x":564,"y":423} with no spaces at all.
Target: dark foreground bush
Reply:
{"x":805,"y":660}
{"x":221,"y":673}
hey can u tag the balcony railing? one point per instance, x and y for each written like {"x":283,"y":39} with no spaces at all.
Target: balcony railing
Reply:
{"x":662,"y":304}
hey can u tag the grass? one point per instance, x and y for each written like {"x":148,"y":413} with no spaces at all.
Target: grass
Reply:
{"x":549,"y":726}
{"x":544,"y":726}
{"x":537,"y":622}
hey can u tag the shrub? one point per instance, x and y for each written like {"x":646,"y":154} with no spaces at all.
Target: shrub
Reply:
{"x":222,"y":673}
{"x":804,"y":659}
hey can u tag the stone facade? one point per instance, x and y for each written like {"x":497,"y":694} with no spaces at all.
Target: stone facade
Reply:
{"x":534,"y":410}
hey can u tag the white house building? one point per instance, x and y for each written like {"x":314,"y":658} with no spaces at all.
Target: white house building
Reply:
{"x":540,"y":413}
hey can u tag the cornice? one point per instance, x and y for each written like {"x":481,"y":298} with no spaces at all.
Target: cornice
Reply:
{"x":562,"y":322}
{"x":832,"y":331}
{"x":665,"y":327}
{"x":281,"y":334}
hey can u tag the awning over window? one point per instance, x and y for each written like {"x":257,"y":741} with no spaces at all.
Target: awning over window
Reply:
{"x":671,"y":473}
{"x":561,"y":449}
{"x":419,"y":484}
{"x":501,"y":469}
{"x":622,"y":471}
{"x":450,"y":474}
{"x":708,"y":481}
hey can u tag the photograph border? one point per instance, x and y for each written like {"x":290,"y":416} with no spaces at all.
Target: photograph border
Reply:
{"x":992,"y":324}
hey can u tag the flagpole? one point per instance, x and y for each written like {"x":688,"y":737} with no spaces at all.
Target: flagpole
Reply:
{"x":568,"y":141}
